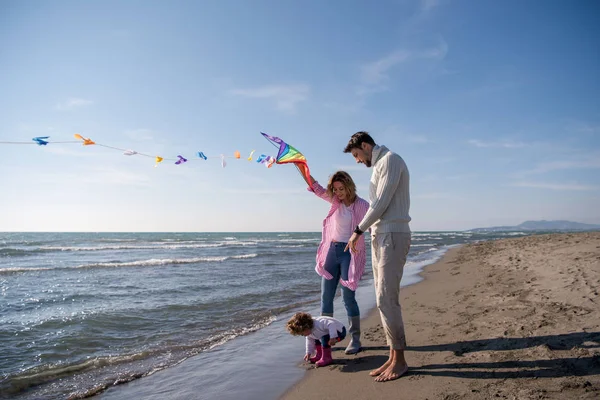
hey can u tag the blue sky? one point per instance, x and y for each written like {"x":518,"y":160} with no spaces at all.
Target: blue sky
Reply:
{"x":495,"y":107}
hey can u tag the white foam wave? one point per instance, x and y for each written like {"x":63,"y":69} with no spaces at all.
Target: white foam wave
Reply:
{"x":129,"y":247}
{"x":153,"y":262}
{"x":4,"y":271}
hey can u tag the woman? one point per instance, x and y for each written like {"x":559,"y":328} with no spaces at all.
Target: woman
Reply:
{"x":333,"y":263}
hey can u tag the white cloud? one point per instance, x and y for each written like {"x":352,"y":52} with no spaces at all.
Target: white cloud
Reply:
{"x":113,"y":176}
{"x":435,"y":196}
{"x":556,"y":186}
{"x":352,"y":167}
{"x":420,"y":139}
{"x":503,"y":144}
{"x":464,"y":177}
{"x":427,"y":5}
{"x":376,"y":74}
{"x":99,"y":176}
{"x":591,"y":163}
{"x":72,"y":103}
{"x":398,"y":134}
{"x":285,"y":97}
{"x":140,"y":134}
{"x":583,"y":127}
{"x":264,"y":191}
{"x":61,"y":150}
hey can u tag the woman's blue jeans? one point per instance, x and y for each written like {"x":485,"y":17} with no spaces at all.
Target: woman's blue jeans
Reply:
{"x":337,"y":264}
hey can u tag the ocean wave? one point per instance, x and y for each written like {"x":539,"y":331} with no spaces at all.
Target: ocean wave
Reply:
{"x":11,"y":270}
{"x":15,"y":252}
{"x":129,"y":247}
{"x":139,"y":263}
{"x":116,"y":240}
{"x":12,"y":252}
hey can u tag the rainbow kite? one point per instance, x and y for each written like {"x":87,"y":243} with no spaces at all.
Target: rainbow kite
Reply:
{"x":289,"y":154}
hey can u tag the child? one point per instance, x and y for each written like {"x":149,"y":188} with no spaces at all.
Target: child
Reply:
{"x":321,"y":333}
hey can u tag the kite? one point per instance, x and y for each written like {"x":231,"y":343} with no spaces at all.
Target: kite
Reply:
{"x":86,"y":141}
{"x":41,"y":140}
{"x":268,"y":161}
{"x":289,"y":154}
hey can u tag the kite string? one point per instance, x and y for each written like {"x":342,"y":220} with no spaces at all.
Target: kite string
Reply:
{"x":70,"y":141}
{"x":133,"y":152}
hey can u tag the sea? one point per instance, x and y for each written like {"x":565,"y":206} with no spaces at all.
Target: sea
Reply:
{"x":167,"y":315}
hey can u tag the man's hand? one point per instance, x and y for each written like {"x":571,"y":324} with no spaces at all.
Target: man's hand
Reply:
{"x":306,"y":357}
{"x":352,"y":242}
{"x":333,"y":341}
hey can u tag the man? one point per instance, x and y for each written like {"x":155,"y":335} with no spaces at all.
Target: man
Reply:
{"x":388,"y":220}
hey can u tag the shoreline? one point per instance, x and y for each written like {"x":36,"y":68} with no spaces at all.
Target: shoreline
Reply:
{"x":370,"y":324}
{"x":284,"y":353}
{"x":510,"y":318}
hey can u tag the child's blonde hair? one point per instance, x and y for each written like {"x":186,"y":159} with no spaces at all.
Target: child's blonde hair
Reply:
{"x":299,"y":323}
{"x":345,"y":179}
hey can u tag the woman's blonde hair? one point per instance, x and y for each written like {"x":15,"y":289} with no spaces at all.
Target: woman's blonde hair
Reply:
{"x":345,"y":179}
{"x":299,"y":323}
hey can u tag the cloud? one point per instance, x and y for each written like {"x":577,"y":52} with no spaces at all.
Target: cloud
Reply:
{"x":63,"y":151}
{"x":72,"y":103}
{"x":399,"y":134}
{"x":583,"y":127}
{"x":463,"y":177}
{"x":352,"y":167}
{"x":435,"y":196}
{"x":375,"y":75}
{"x":591,"y":163}
{"x":376,"y":72}
{"x":264,"y":191}
{"x":99,"y":176}
{"x":285,"y":97}
{"x":113,"y":176}
{"x":556,"y":186}
{"x":140,"y":134}
{"x":419,"y":139}
{"x":428,"y":5}
{"x":504,"y":144}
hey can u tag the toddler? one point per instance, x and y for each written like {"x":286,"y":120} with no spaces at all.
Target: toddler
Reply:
{"x":321,"y":333}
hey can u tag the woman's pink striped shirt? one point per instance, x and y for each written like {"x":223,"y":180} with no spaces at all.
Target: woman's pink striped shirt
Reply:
{"x":358,"y":259}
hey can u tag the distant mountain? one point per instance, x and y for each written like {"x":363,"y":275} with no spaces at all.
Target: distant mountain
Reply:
{"x":541,"y":226}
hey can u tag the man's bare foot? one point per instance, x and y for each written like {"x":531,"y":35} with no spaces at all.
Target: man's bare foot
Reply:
{"x":379,"y":370}
{"x":394,"y":371}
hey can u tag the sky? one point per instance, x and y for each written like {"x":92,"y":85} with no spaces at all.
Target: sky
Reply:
{"x":494,"y":106}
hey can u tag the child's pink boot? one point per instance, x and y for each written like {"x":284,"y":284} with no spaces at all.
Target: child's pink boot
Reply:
{"x":326,"y":358}
{"x":318,"y":356}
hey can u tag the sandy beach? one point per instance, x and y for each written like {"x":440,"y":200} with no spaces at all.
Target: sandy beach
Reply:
{"x":507,"y":319}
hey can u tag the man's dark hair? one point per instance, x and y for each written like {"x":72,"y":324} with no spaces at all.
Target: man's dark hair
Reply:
{"x":357,"y":140}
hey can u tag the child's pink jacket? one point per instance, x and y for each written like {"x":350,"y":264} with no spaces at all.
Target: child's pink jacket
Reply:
{"x":358,"y":259}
